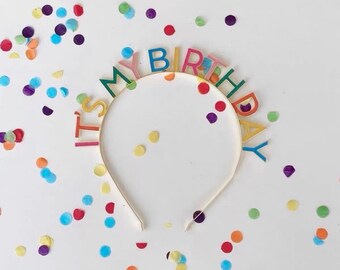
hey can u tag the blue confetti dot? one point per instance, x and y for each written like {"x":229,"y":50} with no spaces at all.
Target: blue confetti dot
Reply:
{"x":109,"y":222}
{"x":87,"y":200}
{"x":61,"y":12}
{"x":4,"y":80}
{"x":105,"y":251}
{"x":55,"y":39}
{"x":226,"y":265}
{"x":51,"y":178}
{"x":183,"y":259}
{"x":127,"y":52}
{"x":130,"y":14}
{"x":72,"y":24}
{"x":317,"y":241}
{"x":35,"y":82}
{"x":51,"y":92}
{"x":64,"y":91}
{"x":45,"y":172}
{"x":66,"y":218}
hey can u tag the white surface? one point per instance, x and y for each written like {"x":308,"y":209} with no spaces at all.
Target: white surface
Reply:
{"x":288,"y":53}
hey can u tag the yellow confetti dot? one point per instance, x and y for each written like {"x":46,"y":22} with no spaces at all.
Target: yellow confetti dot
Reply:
{"x":292,"y":205}
{"x":105,"y":188}
{"x":100,"y":170}
{"x":46,"y":240}
{"x":139,"y":150}
{"x":175,"y":256}
{"x":181,"y":266}
{"x":154,"y":136}
{"x":168,"y":225}
{"x":58,"y":74}
{"x":37,"y":13}
{"x":20,"y":251}
{"x":14,"y":55}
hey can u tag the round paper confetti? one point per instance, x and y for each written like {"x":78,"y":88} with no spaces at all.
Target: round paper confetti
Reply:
{"x":37,"y":13}
{"x":20,"y":251}
{"x":273,"y":116}
{"x":78,"y":39}
{"x":317,"y":241}
{"x":198,"y":216}
{"x":58,"y":74}
{"x":220,"y":106}
{"x":200,"y":21}
{"x":227,"y":247}
{"x":130,"y":14}
{"x":28,"y":32}
{"x":6,"y":45}
{"x":141,"y":245}
{"x":72,"y":24}
{"x":64,"y":91}
{"x":132,"y":85}
{"x":181,"y":266}
{"x":322,"y":233}
{"x":19,"y":135}
{"x":47,"y":10}
{"x":322,"y":211}
{"x":105,"y":251}
{"x":45,"y":172}
{"x":43,"y":250}
{"x":254,"y":213}
{"x":66,"y":218}
{"x":212,"y":117}
{"x":81,"y":97}
{"x":169,"y":30}
{"x":110,"y":207}
{"x":154,"y":136}
{"x":10,"y":136}
{"x":46,"y":240}
{"x":47,"y":111}
{"x":226,"y":265}
{"x":289,"y":170}
{"x":203,"y":88}
{"x":55,"y":39}
{"x":105,"y":188}
{"x":132,"y":267}
{"x":109,"y":222}
{"x":124,"y":8}
{"x":139,"y":150}
{"x":236,"y":236}
{"x":60,"y":29}
{"x":33,"y":43}
{"x":51,"y":178}
{"x":127,"y":52}
{"x":230,"y":20}
{"x":31,"y":54}
{"x":28,"y":90}
{"x":292,"y":205}
{"x":61,"y":12}
{"x":20,"y":39}
{"x":78,"y":10}
{"x":4,"y":80}
{"x":87,"y":200}
{"x":100,"y":170}
{"x":151,"y":13}
{"x":175,"y":256}
{"x":78,"y":214}
{"x":35,"y":82}
{"x":51,"y":92}
{"x":14,"y":55}
{"x":183,"y":259}
{"x":8,"y":145}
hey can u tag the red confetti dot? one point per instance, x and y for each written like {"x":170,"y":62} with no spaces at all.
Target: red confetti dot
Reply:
{"x":141,"y":245}
{"x":6,"y":45}
{"x":227,"y":247}
{"x":78,"y":10}
{"x":203,"y":88}
{"x":110,"y":207}
{"x":19,"y":135}
{"x":78,"y":214}
{"x":220,"y":106}
{"x":169,"y":30}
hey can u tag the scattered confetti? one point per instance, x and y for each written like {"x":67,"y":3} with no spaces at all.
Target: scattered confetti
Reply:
{"x":110,"y":222}
{"x":139,"y":150}
{"x":254,"y":213}
{"x":78,"y":214}
{"x":78,"y":10}
{"x":28,"y":90}
{"x":14,"y":55}
{"x":87,"y":200}
{"x":110,"y":207}
{"x":230,"y":20}
{"x":51,"y":92}
{"x":78,"y":39}
{"x":37,"y":13}
{"x":236,"y":236}
{"x":292,"y":205}
{"x":35,"y":82}
{"x":66,"y":218}
{"x":169,"y":30}
{"x":198,"y":216}
{"x":322,"y":211}
{"x":58,"y":74}
{"x":130,"y":14}
{"x":132,"y":267}
{"x":60,"y":29}
{"x":55,"y":39}
{"x":154,"y":136}
{"x":200,"y":21}
{"x":64,"y":91}
{"x":33,"y":43}
{"x":175,"y":256}
{"x":6,"y":45}
{"x":47,"y":111}
{"x":220,"y":106}
{"x":227,"y":247}
{"x":46,"y":240}
{"x":44,"y":250}
{"x":4,"y":80}
{"x":19,"y":135}
{"x":226,"y":265}
{"x":150,"y":13}
{"x":273,"y":116}
{"x":61,"y":12}
{"x":127,"y":52}
{"x":72,"y":24}
{"x":141,"y":245}
{"x":41,"y":162}
{"x":170,"y":77}
{"x":100,"y":170}
{"x":8,"y":146}
{"x":203,"y":88}
{"x":28,"y":32}
{"x":132,"y":85}
{"x":124,"y":8}
{"x":20,"y":251}
{"x":289,"y":170}
{"x":212,"y":117}
{"x":105,"y":188}
{"x":322,"y":233}
{"x":317,"y":241}
{"x":47,"y":10}
{"x":105,"y":251}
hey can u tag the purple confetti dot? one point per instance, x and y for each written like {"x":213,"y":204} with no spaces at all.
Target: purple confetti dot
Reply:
{"x":28,"y":90}
{"x":44,"y":250}
{"x":78,"y":39}
{"x":150,"y":13}
{"x":212,"y":117}
{"x":47,"y":111}
{"x":2,"y":137}
{"x":230,"y":20}
{"x":288,"y":170}
{"x":47,"y":10}
{"x":60,"y":29}
{"x":198,"y":216}
{"x":245,"y":108}
{"x":28,"y":32}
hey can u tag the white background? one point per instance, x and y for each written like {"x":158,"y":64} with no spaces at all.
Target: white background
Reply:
{"x":287,"y":51}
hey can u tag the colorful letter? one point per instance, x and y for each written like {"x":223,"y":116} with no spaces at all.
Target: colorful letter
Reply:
{"x":236,"y":86}
{"x":250,"y":129}
{"x":98,"y":103}
{"x":255,"y":150}
{"x":133,"y":65}
{"x":161,"y":58}
{"x":176,"y":59}
{"x":193,"y":65}
{"x":253,"y":109}
{"x":215,"y":61}
{"x":114,"y":80}
{"x":80,"y":126}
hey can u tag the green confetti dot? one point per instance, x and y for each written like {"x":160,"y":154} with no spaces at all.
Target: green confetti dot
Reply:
{"x":322,"y":211}
{"x":20,"y":39}
{"x":218,"y":71}
{"x":132,"y":85}
{"x":254,"y":213}
{"x":199,"y":21}
{"x":273,"y":116}
{"x":124,"y":8}
{"x":81,"y":97}
{"x":10,"y":136}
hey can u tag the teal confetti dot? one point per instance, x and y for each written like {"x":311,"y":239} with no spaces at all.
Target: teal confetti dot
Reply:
{"x":51,"y":92}
{"x":87,"y":200}
{"x":64,"y":91}
{"x":35,"y":82}
{"x":226,"y":265}
{"x":61,"y":12}
{"x":109,"y":222}
{"x":45,"y":172}
{"x":127,"y":52}
{"x":55,"y":39}
{"x":51,"y":178}
{"x":105,"y":251}
{"x":66,"y":218}
{"x":72,"y":24}
{"x":183,"y":259}
{"x":317,"y":241}
{"x":4,"y":80}
{"x":130,"y":14}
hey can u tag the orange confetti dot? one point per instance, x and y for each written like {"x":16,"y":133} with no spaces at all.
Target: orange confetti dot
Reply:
{"x":236,"y":236}
{"x":41,"y":162}
{"x":31,"y":54}
{"x":9,"y":145}
{"x":132,"y":267}
{"x":321,"y":233}
{"x":33,"y":44}
{"x":170,"y":77}
{"x":214,"y":78}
